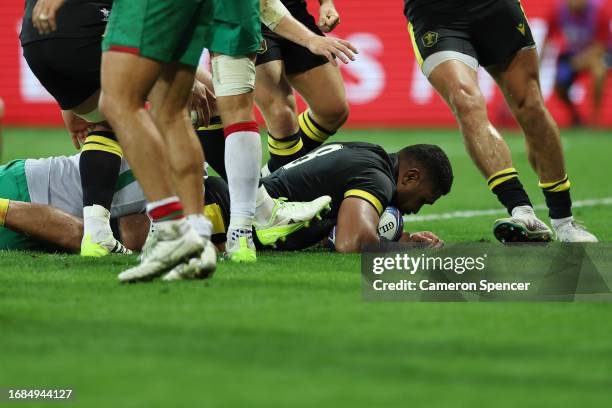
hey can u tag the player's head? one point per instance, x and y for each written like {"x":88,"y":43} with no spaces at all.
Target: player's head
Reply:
{"x":425,"y":174}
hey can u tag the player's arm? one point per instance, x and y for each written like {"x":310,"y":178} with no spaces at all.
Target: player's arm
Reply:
{"x":45,"y":223}
{"x":357,"y":225}
{"x":276,"y":17}
{"x":328,"y":16}
{"x":44,"y":15}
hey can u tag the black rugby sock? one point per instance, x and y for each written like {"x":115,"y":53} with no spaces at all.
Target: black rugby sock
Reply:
{"x":212,"y":140}
{"x":99,"y":165}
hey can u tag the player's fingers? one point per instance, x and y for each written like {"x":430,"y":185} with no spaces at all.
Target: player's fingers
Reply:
{"x":75,"y":141}
{"x":321,"y":22}
{"x":345,"y":51}
{"x":52,"y":22}
{"x":348,"y":45}
{"x":338,"y":53}
{"x":332,"y":21}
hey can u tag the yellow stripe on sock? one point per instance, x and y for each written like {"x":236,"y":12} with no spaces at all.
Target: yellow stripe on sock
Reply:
{"x":310,"y":129}
{"x":216,"y":126}
{"x":369,"y":197}
{"x":214,"y":214}
{"x":282,"y":148}
{"x":556,"y":186}
{"x":4,"y":205}
{"x":501,"y":176}
{"x":103,"y":144}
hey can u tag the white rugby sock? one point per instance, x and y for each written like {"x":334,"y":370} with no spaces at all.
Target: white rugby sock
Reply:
{"x":242,"y":164}
{"x":200,"y":224}
{"x":264,"y":206}
{"x":96,"y":222}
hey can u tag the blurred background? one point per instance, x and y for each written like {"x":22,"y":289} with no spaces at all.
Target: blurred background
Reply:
{"x":385,"y":87}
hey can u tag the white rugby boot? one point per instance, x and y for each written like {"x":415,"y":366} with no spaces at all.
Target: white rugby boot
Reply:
{"x":288,"y":217}
{"x":199,"y":267}
{"x":522,"y":226}
{"x":170,"y":243}
{"x":240,"y":247}
{"x":568,"y":230}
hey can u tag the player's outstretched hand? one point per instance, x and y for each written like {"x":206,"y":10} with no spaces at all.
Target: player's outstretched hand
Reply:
{"x":333,"y":48}
{"x":44,"y":13}
{"x":77,"y":128}
{"x":200,"y":96}
{"x":328,"y":17}
{"x":424,"y":237}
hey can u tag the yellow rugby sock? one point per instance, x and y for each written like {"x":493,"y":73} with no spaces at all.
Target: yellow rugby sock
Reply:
{"x":4,"y":205}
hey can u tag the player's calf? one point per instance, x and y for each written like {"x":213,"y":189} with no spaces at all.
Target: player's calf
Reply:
{"x":99,"y":165}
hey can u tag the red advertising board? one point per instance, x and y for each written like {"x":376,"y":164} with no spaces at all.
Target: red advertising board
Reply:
{"x":384,"y":86}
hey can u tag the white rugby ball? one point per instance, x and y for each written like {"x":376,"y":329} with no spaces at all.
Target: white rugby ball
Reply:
{"x":391,"y":224}
{"x":390,"y":227}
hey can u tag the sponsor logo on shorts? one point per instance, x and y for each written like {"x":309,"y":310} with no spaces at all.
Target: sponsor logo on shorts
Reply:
{"x":430,"y":39}
{"x":521,"y":28}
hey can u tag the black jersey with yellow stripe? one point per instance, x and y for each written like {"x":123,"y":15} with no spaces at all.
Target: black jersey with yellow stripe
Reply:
{"x":340,"y":170}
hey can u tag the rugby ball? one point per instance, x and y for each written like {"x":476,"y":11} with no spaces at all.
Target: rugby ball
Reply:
{"x":391,"y":224}
{"x":390,"y":227}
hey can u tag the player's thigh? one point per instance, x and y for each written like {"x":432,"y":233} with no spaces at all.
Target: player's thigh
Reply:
{"x":457,"y":83}
{"x":519,"y":80}
{"x":172,"y":90}
{"x":126,"y":80}
{"x":499,"y":31}
{"x":274,"y":97}
{"x":322,"y":88}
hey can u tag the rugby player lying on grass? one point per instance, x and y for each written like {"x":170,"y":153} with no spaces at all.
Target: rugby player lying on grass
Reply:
{"x":361,"y":179}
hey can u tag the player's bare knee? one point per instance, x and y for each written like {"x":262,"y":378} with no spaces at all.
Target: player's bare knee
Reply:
{"x":114,"y":107}
{"x":333,"y":116}
{"x":466,"y":100}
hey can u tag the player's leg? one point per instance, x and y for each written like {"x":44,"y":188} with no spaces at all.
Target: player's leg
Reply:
{"x":211,"y":136}
{"x":234,"y":82}
{"x":154,"y":30}
{"x":322,"y":87}
{"x":488,"y":35}
{"x":274,"y":98}
{"x":99,"y":165}
{"x":169,"y":100}
{"x":458,"y":85}
{"x":69,"y":68}
{"x":519,"y":81}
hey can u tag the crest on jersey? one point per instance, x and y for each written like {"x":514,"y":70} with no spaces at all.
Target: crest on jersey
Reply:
{"x":105,"y":13}
{"x":430,"y":39}
{"x":521,"y":28}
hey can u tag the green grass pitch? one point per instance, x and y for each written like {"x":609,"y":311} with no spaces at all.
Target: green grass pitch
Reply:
{"x":292,"y":329}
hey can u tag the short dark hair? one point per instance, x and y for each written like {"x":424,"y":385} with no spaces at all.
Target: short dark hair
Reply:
{"x":435,"y":162}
